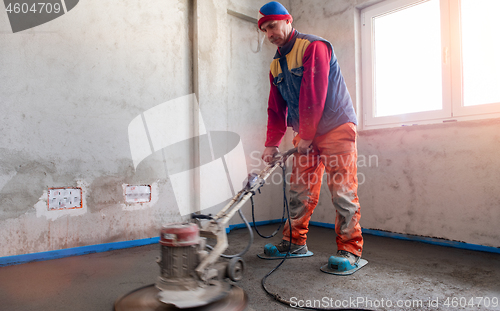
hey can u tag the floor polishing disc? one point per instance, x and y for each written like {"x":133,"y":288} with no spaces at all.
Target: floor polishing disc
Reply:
{"x":145,"y":299}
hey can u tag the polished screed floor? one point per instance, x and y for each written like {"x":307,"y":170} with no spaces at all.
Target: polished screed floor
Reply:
{"x":400,"y":275}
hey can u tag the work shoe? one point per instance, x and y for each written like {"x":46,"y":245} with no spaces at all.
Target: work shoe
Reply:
{"x":284,"y":245}
{"x":343,"y":263}
{"x":353,"y":259}
{"x":280,"y":251}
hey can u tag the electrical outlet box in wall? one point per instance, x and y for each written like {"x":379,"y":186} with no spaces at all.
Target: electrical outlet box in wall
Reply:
{"x":64,"y":198}
{"x":137,"y":194}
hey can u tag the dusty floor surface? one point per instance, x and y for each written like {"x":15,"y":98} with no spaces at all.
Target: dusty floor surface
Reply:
{"x":400,"y":275}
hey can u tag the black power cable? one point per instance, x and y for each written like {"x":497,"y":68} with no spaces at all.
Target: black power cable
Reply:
{"x":257,"y":230}
{"x":276,"y":296}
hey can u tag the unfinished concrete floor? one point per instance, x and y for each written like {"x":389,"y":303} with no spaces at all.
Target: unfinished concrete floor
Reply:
{"x":399,"y":272}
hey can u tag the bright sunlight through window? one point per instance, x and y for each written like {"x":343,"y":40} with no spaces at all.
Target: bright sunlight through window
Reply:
{"x":429,"y":61}
{"x":407,"y":63}
{"x":481,"y":51}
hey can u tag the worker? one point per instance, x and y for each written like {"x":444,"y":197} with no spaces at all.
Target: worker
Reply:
{"x":309,"y":94}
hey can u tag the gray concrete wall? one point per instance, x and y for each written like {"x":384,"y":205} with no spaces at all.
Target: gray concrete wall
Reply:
{"x":234,"y":88}
{"x":430,"y":180}
{"x":70,"y":89}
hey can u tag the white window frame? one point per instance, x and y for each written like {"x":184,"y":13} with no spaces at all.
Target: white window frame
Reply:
{"x":451,"y":60}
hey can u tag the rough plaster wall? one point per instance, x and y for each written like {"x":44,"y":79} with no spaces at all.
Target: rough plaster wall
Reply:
{"x":246,"y":111}
{"x":433,"y":180}
{"x":334,"y":21}
{"x":234,"y":88}
{"x":69,"y":89}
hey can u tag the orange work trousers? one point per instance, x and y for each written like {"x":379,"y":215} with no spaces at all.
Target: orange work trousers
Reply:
{"x":336,"y":153}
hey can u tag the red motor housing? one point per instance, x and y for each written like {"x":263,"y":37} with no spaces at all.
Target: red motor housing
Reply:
{"x":178,"y":235}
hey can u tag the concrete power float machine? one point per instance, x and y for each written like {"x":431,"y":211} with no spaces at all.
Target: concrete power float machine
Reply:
{"x":192,"y":275}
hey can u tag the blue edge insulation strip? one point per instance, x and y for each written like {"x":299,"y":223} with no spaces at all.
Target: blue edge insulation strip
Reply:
{"x":75,"y":251}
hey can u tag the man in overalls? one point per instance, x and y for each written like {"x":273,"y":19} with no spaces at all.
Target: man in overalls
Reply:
{"x":308,"y":93}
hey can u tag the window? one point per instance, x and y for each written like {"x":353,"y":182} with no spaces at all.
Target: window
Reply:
{"x":430,"y":61}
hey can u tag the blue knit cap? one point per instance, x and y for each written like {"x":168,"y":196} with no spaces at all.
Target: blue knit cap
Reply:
{"x":273,"y":11}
